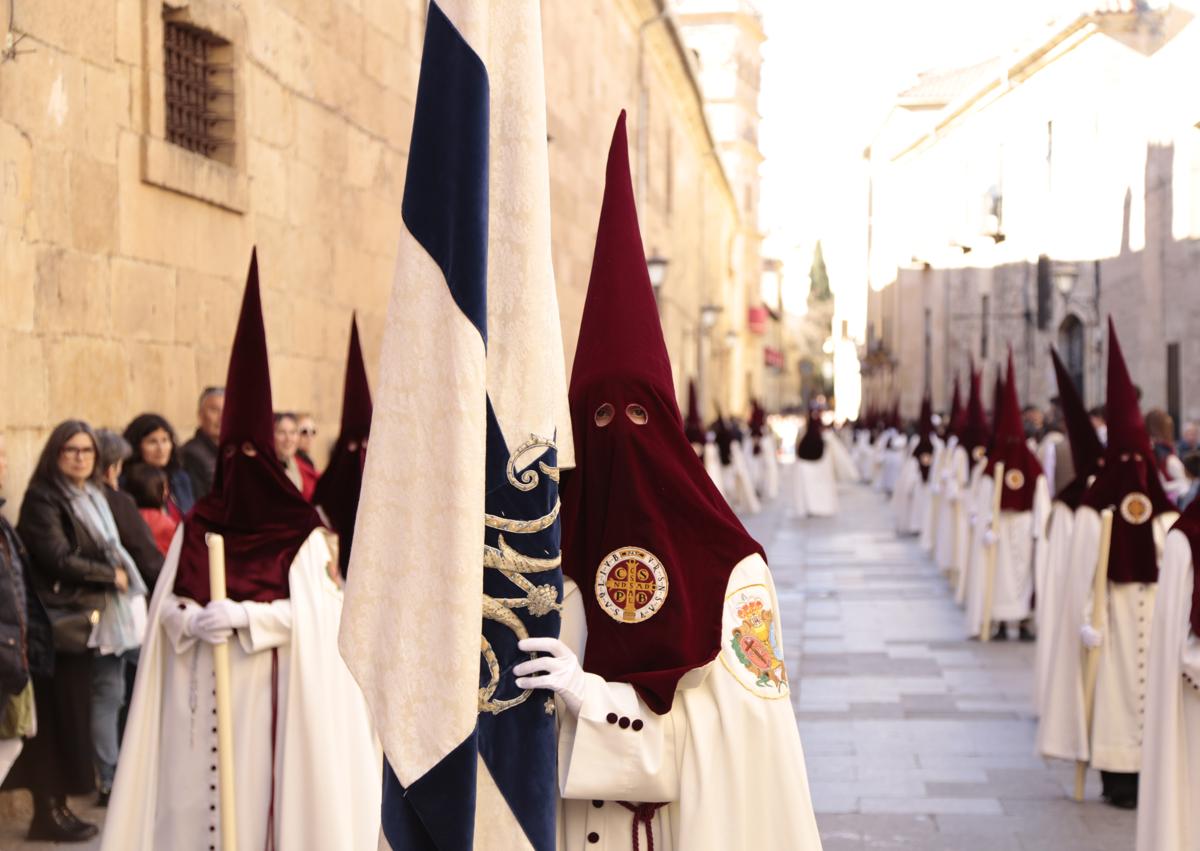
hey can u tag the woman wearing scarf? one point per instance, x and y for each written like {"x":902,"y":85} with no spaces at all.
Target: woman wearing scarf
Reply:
{"x":680,"y":735}
{"x":78,"y":575}
{"x":306,"y":764}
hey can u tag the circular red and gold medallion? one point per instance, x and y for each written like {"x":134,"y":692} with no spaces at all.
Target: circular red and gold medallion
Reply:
{"x":1014,"y":479}
{"x":1136,"y":508}
{"x":978,"y":452}
{"x":631,"y":585}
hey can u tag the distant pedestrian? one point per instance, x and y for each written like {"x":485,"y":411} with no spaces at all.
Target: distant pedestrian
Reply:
{"x":199,"y":455}
{"x":154,"y":443}
{"x":151,"y":492}
{"x":1033,"y":420}
{"x":1161,"y":428}
{"x":1099,"y":423}
{"x":1191,"y":464}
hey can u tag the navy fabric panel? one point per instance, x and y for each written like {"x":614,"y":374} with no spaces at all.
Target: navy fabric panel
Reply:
{"x":519,"y":745}
{"x":437,"y":813}
{"x":445,"y":204}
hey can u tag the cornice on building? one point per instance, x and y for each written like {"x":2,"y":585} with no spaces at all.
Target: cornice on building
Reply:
{"x":1113,"y":19}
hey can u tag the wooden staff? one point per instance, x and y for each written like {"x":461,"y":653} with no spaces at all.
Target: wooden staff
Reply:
{"x":1092,"y":665}
{"x":989,"y":578}
{"x":216,"y":584}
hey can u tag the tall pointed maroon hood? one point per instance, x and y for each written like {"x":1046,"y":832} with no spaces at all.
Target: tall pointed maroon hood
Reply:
{"x":340,"y":486}
{"x":1087,"y":452}
{"x":1021,"y":467}
{"x":1128,"y":482}
{"x":974,"y":435}
{"x":253,"y":504}
{"x":957,"y":420}
{"x":638,"y":486}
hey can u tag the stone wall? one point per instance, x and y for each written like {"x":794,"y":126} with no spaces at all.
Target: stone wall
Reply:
{"x":122,"y":257}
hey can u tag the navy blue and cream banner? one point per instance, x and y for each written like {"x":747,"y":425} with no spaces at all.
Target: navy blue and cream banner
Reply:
{"x":456,"y":550}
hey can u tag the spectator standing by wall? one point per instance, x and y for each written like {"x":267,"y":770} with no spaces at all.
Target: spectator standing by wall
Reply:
{"x":306,"y":437}
{"x":1161,"y":428}
{"x":199,"y":455}
{"x":153,"y":441}
{"x":287,"y":436}
{"x":148,"y":487}
{"x":74,"y":572}
{"x":1189,"y":440}
{"x":136,"y":536}
{"x":26,"y":648}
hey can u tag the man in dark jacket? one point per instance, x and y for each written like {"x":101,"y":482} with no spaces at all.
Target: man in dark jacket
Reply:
{"x":200,"y":453}
{"x":26,"y":645}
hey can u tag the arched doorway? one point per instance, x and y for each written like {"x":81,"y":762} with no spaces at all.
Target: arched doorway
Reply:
{"x":1071,"y":349}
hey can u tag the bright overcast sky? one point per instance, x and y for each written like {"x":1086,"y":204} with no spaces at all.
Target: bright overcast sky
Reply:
{"x":830,"y":72}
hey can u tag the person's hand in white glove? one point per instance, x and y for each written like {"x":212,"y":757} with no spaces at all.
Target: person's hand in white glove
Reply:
{"x":559,"y":671}
{"x":989,"y":537}
{"x":216,"y":622}
{"x":1091,"y":637}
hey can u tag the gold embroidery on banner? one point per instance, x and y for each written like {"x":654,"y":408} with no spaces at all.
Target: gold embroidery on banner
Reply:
{"x":538,"y":600}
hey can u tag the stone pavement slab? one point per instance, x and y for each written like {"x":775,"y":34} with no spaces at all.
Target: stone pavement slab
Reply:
{"x":916,"y":738}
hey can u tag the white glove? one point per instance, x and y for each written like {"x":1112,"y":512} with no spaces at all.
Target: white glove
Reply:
{"x":217,"y":621}
{"x":989,"y":537}
{"x":559,"y":672}
{"x":1091,"y":638}
{"x":935,"y":488}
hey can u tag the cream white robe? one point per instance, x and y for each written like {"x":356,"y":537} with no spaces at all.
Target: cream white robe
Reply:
{"x":844,"y":469}
{"x":726,"y":759}
{"x":739,"y":484}
{"x":712,"y":463}
{"x":1169,"y":793}
{"x":1017,"y":535}
{"x":893,"y":460}
{"x":930,"y":494}
{"x":1116,"y":735}
{"x":1051,"y":568}
{"x":766,"y":464}
{"x":976,"y":499}
{"x":952,"y":520}
{"x":878,"y":452}
{"x":814,"y":491}
{"x":904,"y":501}
{"x":864,"y":455}
{"x":328,"y":764}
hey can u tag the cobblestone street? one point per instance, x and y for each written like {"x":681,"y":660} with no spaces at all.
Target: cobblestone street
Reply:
{"x":915,"y":738}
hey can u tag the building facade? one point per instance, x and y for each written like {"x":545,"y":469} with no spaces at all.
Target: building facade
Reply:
{"x":1020,"y":202}
{"x":146,"y":145}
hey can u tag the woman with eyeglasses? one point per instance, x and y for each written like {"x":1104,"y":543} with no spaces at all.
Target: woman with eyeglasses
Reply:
{"x":154,"y":443}
{"x":95,"y":600}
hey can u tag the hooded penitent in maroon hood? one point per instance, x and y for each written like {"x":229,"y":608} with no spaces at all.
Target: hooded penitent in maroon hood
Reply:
{"x":974,"y":435}
{"x":1021,"y":467}
{"x":957,"y":419}
{"x":253,"y":504}
{"x":923,"y":451}
{"x":646,"y":535}
{"x":811,"y":446}
{"x":1128,"y":481}
{"x":758,"y":421}
{"x":341,"y":484}
{"x":1087,"y":452}
{"x":997,"y":402}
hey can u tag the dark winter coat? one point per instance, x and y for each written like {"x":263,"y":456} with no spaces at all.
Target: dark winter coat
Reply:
{"x":26,"y":644}
{"x":136,"y":537}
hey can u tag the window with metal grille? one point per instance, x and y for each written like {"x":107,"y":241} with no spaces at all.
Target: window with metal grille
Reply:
{"x":199,"y":89}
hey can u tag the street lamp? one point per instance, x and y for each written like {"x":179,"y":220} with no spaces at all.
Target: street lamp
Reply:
{"x":1065,"y":275}
{"x":656,"y":266}
{"x":708,"y":316}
